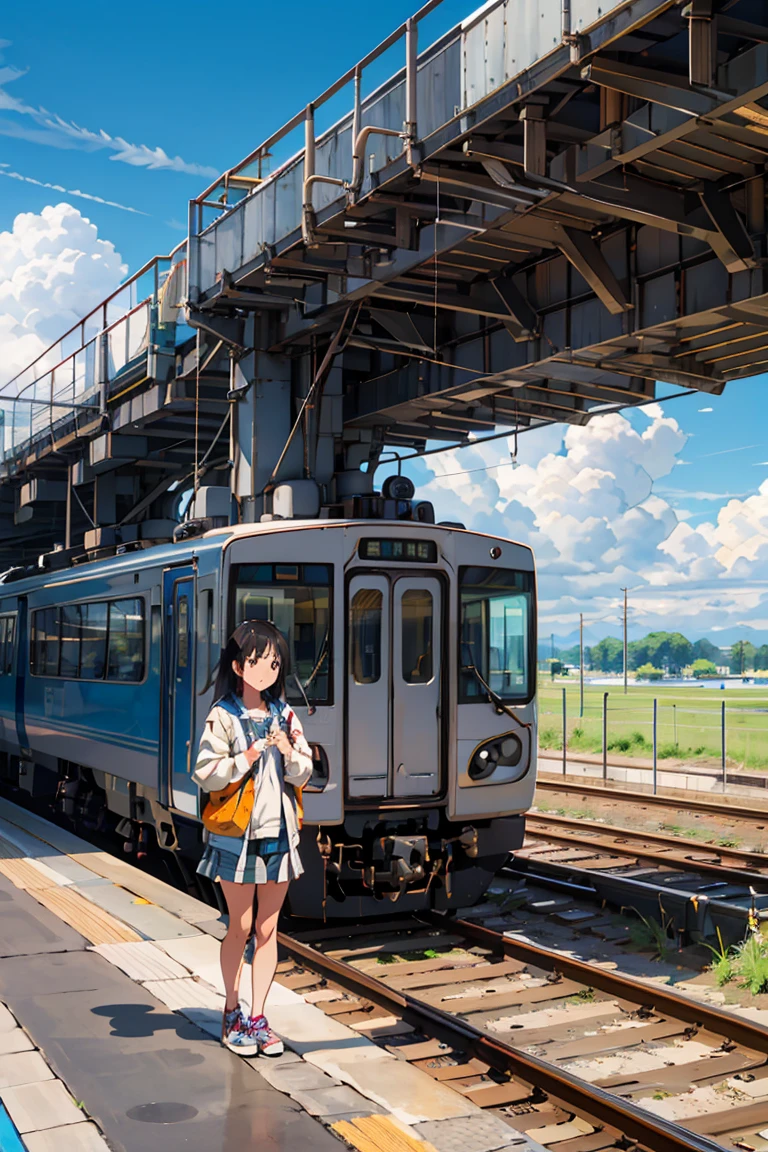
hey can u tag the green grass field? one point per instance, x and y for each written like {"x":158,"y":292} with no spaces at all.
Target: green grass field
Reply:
{"x":689,"y":723}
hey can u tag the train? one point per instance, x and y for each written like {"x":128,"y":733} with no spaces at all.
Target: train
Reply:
{"x":413,"y":650}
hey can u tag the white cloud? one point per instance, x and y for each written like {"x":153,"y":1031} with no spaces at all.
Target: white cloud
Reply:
{"x":53,"y":270}
{"x":706,"y":409}
{"x":68,"y":191}
{"x":585,"y":501}
{"x":38,"y":126}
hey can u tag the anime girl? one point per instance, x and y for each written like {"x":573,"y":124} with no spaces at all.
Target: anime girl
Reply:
{"x":250,"y":730}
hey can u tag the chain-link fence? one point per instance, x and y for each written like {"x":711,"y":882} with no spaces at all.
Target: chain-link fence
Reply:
{"x":649,"y":730}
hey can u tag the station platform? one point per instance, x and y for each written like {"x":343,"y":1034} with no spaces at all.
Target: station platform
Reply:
{"x":110,"y":1015}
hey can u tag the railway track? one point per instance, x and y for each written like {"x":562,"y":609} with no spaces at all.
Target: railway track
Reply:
{"x":590,"y":1044}
{"x":699,"y":890}
{"x":641,"y":800}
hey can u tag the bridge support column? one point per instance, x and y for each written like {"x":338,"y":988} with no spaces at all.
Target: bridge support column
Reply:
{"x":258,"y":440}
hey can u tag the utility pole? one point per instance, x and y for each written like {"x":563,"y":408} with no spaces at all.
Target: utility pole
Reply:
{"x":552,"y":655}
{"x":581,"y":664}
{"x":624,"y":590}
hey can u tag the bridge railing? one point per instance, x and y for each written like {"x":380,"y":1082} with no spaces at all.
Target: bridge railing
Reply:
{"x":254,"y":210}
{"x":72,"y":380}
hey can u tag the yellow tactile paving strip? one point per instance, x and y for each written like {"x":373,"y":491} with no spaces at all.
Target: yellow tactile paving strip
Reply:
{"x":378,"y":1134}
{"x":92,"y":922}
{"x":25,"y":875}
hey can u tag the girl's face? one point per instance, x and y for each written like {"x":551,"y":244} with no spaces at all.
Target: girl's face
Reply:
{"x":259,"y":672}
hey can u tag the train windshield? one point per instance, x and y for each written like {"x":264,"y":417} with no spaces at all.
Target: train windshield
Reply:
{"x":496,"y":633}
{"x":297,"y":599}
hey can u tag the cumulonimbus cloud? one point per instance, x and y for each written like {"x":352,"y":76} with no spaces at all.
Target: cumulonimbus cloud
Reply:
{"x":585,"y":499}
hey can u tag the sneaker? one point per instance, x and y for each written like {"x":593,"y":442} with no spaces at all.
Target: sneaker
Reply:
{"x":236,"y":1034}
{"x":269,"y":1044}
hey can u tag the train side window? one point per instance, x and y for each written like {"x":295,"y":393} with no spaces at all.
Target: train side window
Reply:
{"x":417,"y":636}
{"x":365,"y":635}
{"x":182,"y":634}
{"x":45,"y":643}
{"x":4,"y":622}
{"x":10,"y":641}
{"x":93,"y":641}
{"x":125,"y":660}
{"x":71,"y":624}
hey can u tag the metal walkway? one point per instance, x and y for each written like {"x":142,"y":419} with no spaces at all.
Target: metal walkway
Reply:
{"x":540,"y":216}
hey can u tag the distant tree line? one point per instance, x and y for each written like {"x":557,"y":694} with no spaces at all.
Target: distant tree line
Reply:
{"x":670,"y":652}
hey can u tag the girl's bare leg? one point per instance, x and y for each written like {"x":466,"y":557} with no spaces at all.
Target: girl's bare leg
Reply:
{"x":239,"y":898}
{"x":270,"y":901}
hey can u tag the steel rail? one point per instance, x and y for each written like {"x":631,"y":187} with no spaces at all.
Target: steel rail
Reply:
{"x":661,"y":998}
{"x":653,"y":1132}
{"x":737,"y":873}
{"x":742,"y":855}
{"x":708,"y":807}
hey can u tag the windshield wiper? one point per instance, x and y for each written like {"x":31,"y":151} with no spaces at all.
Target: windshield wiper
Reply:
{"x":496,"y":702}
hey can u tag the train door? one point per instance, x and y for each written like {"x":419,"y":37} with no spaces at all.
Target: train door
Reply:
{"x":393,"y":686}
{"x":416,"y":636}
{"x":22,"y":672}
{"x":178,"y":695}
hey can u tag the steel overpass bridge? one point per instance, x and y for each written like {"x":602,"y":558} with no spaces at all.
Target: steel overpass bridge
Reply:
{"x":552,"y":211}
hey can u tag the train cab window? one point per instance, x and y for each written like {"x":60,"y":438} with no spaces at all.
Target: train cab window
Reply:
{"x":297,"y":599}
{"x":125,"y":659}
{"x":365,"y":635}
{"x":496,"y":633}
{"x":417,"y":616}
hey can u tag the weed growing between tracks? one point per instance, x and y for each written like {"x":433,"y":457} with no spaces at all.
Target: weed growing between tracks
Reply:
{"x":745,"y":964}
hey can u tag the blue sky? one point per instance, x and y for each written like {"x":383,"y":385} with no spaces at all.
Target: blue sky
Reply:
{"x":202,"y":82}
{"x":142,"y":104}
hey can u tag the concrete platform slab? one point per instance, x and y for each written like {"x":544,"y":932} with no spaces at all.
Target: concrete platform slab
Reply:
{"x":75,"y":1138}
{"x":69,"y":870}
{"x":34,"y":1107}
{"x":135,"y":1064}
{"x":305,"y":1028}
{"x":147,"y":919}
{"x":23,"y":1068}
{"x":7,"y":1020}
{"x":193,"y":952}
{"x":479,"y":1133}
{"x":408,"y":1093}
{"x":28,"y":928}
{"x":142,"y":961}
{"x":15,"y":1041}
{"x":296,"y":1077}
{"x":339,"y":1101}
{"x":187,"y":993}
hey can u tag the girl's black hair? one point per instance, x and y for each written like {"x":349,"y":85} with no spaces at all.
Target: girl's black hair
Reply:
{"x":251,"y":638}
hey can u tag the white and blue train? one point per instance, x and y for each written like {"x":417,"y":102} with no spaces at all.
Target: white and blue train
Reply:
{"x":413,"y":648}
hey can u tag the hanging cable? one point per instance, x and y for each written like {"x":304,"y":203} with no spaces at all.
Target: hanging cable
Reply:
{"x":319,"y":376}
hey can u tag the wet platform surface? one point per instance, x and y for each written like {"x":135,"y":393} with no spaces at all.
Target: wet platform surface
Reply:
{"x":150,"y":1079}
{"x":110,"y":1014}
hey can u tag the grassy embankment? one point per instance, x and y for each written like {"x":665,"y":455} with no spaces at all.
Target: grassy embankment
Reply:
{"x":688,"y":722}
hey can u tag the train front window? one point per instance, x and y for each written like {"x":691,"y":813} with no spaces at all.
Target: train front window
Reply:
{"x":297,"y":599}
{"x":496,"y":633}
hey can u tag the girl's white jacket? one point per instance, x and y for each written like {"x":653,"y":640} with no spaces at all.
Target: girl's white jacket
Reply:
{"x":221,"y":761}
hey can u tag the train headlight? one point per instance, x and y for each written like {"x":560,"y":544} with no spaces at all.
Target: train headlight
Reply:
{"x":503,"y":752}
